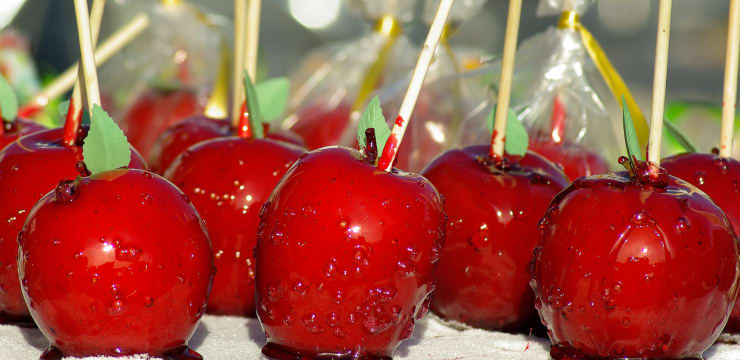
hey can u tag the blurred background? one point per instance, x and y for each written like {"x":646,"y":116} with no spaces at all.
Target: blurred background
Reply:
{"x":290,"y":28}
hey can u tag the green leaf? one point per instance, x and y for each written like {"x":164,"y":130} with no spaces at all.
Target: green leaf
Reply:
{"x":630,"y":136}
{"x":8,"y":100}
{"x":680,"y":137}
{"x":255,"y":113}
{"x":106,"y":147}
{"x":373,"y":118}
{"x":516,"y":137}
{"x":272,"y":95}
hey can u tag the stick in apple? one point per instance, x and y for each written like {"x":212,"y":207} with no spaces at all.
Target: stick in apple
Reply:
{"x":74,"y":112}
{"x":240,"y":26}
{"x":659,"y":83}
{"x":103,"y":53}
{"x":507,"y":73}
{"x":417,"y":80}
{"x":251,"y":45}
{"x":730,"y":87}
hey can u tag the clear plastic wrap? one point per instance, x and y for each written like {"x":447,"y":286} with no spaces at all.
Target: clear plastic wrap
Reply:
{"x":333,"y":83}
{"x":560,"y":95}
{"x":16,"y":65}
{"x":167,"y":72}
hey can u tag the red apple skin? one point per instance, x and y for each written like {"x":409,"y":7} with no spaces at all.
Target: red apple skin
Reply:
{"x":153,"y":112}
{"x":719,"y":178}
{"x":195,"y":129}
{"x":320,"y":125}
{"x":122,"y":266}
{"x":29,"y":168}
{"x":575,"y":160}
{"x":18,"y":128}
{"x":634,"y":269}
{"x":483,"y":273}
{"x":228,"y":179}
{"x":345,"y":257}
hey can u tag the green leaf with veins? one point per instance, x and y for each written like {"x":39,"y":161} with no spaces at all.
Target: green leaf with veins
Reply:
{"x":106,"y":147}
{"x":8,"y":100}
{"x":272,"y":95}
{"x":373,"y":118}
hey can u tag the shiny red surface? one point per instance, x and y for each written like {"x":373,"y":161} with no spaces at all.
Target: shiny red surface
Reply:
{"x":195,"y":129}
{"x":29,"y":168}
{"x":483,"y":274}
{"x":17,"y":128}
{"x":321,"y":126}
{"x":628,"y":269}
{"x":122,"y":267}
{"x":228,"y":179}
{"x":720,"y":179}
{"x":153,"y":112}
{"x":345,"y":256}
{"x":575,"y":160}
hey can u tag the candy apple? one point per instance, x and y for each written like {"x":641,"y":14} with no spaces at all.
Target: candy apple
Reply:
{"x":575,"y":160}
{"x":483,"y":273}
{"x":29,"y":168}
{"x":228,"y":180}
{"x":13,"y":130}
{"x":639,"y":265}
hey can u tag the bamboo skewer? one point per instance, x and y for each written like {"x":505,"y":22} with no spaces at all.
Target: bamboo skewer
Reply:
{"x":730,"y":84}
{"x":659,"y":81}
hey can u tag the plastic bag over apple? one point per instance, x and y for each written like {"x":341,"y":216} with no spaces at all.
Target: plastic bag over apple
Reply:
{"x":167,"y":73}
{"x":560,"y":94}
{"x":333,"y":83}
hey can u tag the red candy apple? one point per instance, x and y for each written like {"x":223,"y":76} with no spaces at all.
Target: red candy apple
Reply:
{"x":719,"y":178}
{"x":29,"y":168}
{"x":228,"y":179}
{"x":13,"y":130}
{"x":115,"y":264}
{"x":345,"y":257}
{"x":153,"y":112}
{"x":575,"y":160}
{"x":483,"y":273}
{"x":195,"y":129}
{"x":638,"y":266}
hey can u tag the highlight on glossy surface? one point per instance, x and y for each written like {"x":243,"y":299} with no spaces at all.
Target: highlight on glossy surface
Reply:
{"x":492,"y":212}
{"x":115,"y":264}
{"x":632,"y":269}
{"x":357,"y":289}
{"x":30,"y":167}
{"x":228,"y":179}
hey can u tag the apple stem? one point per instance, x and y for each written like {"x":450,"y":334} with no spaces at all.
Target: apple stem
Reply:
{"x":507,"y":73}
{"x":659,"y":84}
{"x":390,"y":150}
{"x":730,"y":87}
{"x":371,"y":144}
{"x":251,"y":50}
{"x":103,"y":53}
{"x":237,"y":91}
{"x":74,"y":112}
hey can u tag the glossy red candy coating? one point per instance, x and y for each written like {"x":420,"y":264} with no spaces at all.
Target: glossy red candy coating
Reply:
{"x":116,"y":263}
{"x":575,"y":160}
{"x":345,"y":256}
{"x":320,"y":125}
{"x":29,"y":168}
{"x":626,"y":269}
{"x":195,"y":129}
{"x":720,"y":179}
{"x":483,"y":274}
{"x":153,"y":112}
{"x":15,"y":129}
{"x":228,"y":179}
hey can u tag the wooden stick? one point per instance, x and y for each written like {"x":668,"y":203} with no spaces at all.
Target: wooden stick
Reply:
{"x":103,"y":53}
{"x":730,"y":88}
{"x":507,"y":74}
{"x":237,"y":93}
{"x":253,"y":35}
{"x":87,"y":58}
{"x":74,"y":112}
{"x":417,"y":80}
{"x":659,"y":81}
